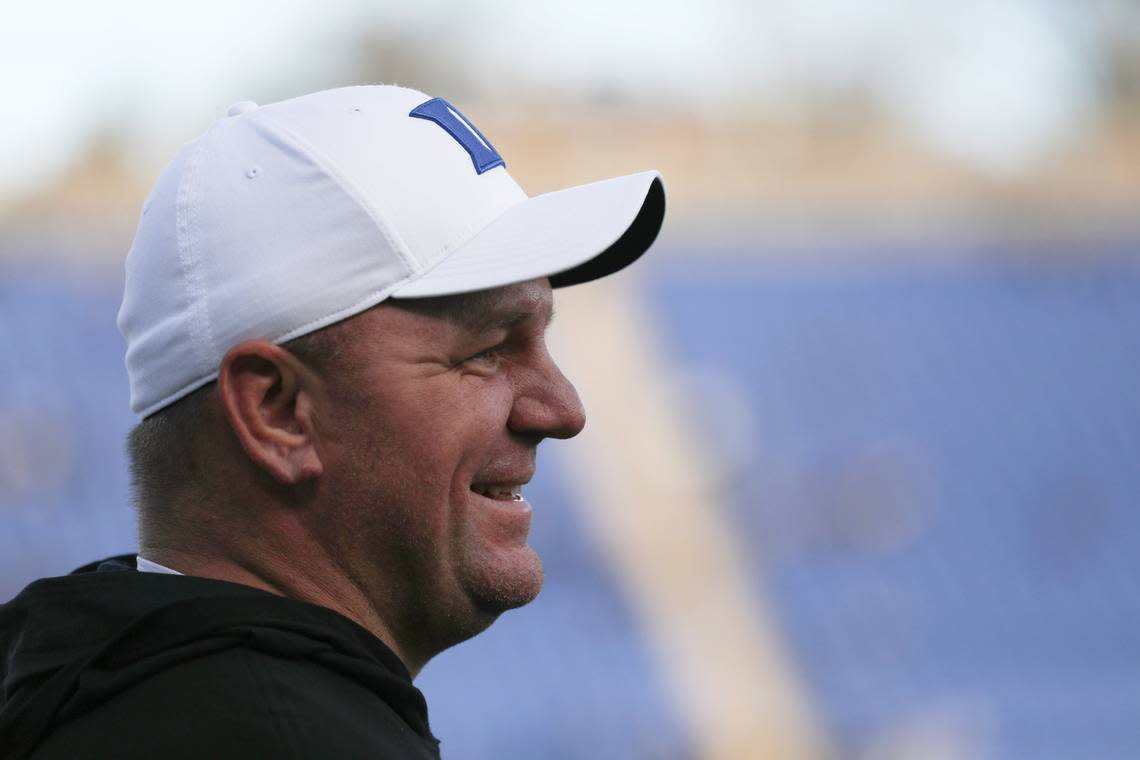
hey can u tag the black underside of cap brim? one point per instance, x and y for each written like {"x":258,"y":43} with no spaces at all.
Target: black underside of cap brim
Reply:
{"x":626,"y":249}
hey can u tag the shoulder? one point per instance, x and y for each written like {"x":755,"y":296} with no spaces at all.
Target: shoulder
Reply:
{"x":239,"y":703}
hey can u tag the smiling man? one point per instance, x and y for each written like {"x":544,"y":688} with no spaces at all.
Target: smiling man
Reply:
{"x":335,"y":312}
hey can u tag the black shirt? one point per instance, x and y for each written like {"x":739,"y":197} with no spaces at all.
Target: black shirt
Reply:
{"x":112,"y":663}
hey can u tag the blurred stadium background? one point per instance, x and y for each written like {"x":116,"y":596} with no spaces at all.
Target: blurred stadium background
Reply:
{"x":862,"y":467}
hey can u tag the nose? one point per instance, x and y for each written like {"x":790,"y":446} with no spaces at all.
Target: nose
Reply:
{"x":547,"y":405}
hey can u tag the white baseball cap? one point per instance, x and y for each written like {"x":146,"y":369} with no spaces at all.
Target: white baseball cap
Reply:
{"x":285,"y":218}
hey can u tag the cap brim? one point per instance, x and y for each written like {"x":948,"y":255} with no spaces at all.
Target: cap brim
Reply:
{"x":571,"y":236}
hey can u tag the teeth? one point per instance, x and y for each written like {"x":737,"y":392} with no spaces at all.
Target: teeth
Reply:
{"x":512,"y":493}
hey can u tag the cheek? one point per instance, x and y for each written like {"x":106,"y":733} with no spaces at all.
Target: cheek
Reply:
{"x":467,"y":422}
{"x":421,"y":449}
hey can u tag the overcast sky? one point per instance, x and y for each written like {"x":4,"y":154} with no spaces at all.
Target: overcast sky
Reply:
{"x":997,"y":83}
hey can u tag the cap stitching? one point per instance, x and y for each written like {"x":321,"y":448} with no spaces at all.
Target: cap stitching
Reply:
{"x":450,"y":247}
{"x":360,"y":305}
{"x":378,"y":217}
{"x":201,"y":335}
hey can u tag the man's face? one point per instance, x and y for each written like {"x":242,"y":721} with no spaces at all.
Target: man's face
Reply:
{"x":428,"y":426}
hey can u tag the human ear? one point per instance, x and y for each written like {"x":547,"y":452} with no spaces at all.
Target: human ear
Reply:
{"x":266,"y":395}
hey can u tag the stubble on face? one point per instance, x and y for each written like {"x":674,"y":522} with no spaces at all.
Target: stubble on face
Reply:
{"x":416,"y":427}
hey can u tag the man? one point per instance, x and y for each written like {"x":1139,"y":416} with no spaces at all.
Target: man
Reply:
{"x":335,"y":310}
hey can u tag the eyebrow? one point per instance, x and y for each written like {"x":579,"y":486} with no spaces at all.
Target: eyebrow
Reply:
{"x":507,"y":319}
{"x":474,"y":311}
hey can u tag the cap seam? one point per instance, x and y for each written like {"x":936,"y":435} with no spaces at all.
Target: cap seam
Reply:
{"x":201,"y":334}
{"x":462,"y":238}
{"x":377,"y":215}
{"x":356,"y":307}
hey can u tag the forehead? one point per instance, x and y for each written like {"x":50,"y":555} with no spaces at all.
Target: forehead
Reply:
{"x":399,"y":329}
{"x":487,"y":309}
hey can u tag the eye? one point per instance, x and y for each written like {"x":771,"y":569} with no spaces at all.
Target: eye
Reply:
{"x":488,"y":357}
{"x":489,"y":354}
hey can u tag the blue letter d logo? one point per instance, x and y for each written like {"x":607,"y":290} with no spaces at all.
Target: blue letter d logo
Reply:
{"x":445,"y":115}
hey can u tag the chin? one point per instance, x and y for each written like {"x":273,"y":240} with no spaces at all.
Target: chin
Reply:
{"x":490,"y":589}
{"x":509,"y":582}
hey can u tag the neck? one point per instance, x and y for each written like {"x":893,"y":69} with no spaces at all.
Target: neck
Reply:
{"x":321,"y":583}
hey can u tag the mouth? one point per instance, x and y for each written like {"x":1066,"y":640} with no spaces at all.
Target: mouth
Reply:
{"x":503,"y":495}
{"x":507,"y":493}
